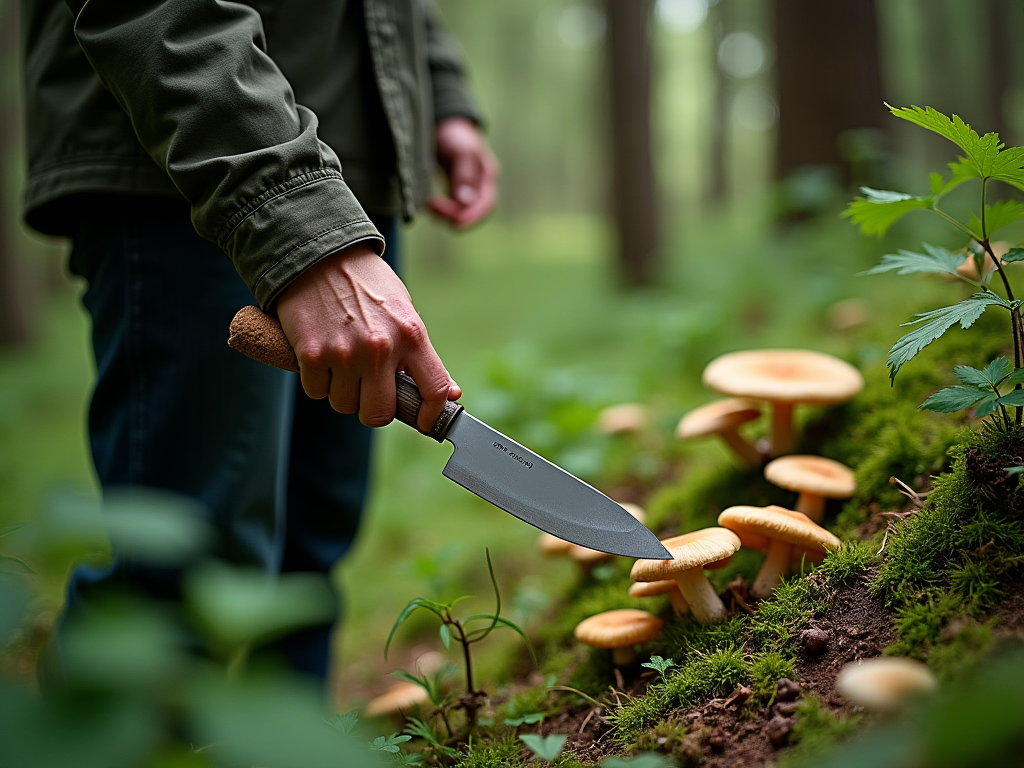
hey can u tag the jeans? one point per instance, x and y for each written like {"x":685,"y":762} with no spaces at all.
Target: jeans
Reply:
{"x":282,"y":477}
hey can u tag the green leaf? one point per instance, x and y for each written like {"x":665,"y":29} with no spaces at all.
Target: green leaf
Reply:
{"x":987,"y":406}
{"x":344,"y":723}
{"x":960,"y":171}
{"x":953,"y":399}
{"x":646,"y":760}
{"x":937,"y":261}
{"x":531,"y":719}
{"x":997,"y":216}
{"x":1014,"y":254}
{"x":417,"y":727}
{"x":500,"y":621}
{"x":981,"y":151}
{"x":879,"y":209}
{"x":935,"y":323}
{"x":22,"y":566}
{"x":1012,"y":398}
{"x":1016,"y":377}
{"x":989,"y":378}
{"x":412,"y":605}
{"x":1014,"y":470}
{"x":544,"y":747}
{"x":446,"y":635}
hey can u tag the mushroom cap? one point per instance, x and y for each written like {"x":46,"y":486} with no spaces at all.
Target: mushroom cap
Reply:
{"x":784,"y":375}
{"x":618,"y":629}
{"x":812,"y":474}
{"x":691,"y":550}
{"x":758,"y":525}
{"x":885,"y":682}
{"x":623,"y":418}
{"x":651,"y":588}
{"x":552,"y":545}
{"x":397,"y":698}
{"x":716,"y":417}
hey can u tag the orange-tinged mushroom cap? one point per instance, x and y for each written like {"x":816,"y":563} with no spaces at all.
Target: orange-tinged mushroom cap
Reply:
{"x":398,"y":698}
{"x":691,"y":550}
{"x":715,"y":417}
{"x":784,"y":375}
{"x":774,"y":522}
{"x":618,"y":628}
{"x":812,"y":474}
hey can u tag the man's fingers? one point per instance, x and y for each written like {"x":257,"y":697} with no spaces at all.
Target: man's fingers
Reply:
{"x":434,"y":384}
{"x":377,"y":399}
{"x":445,"y":207}
{"x":345,"y":390}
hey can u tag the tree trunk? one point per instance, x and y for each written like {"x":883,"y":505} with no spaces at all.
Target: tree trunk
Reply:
{"x":718,"y":171}
{"x":633,"y":196}
{"x":828,"y":81}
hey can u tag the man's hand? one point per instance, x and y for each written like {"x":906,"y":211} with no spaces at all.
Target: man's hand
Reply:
{"x":472,"y":172}
{"x":353,"y":325}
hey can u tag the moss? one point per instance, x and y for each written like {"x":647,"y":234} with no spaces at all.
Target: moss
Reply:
{"x":497,"y":753}
{"x":669,"y":735}
{"x":569,"y":759}
{"x":844,"y":566}
{"x":635,"y":714}
{"x":766,"y":670}
{"x":527,"y":702}
{"x":919,"y":625}
{"x":594,"y":674}
{"x":815,"y":729}
{"x":786,"y":611}
{"x":684,"y":638}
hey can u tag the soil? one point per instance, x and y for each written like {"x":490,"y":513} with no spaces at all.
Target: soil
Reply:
{"x":728,"y":732}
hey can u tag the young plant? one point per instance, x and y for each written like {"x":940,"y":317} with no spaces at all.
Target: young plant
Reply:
{"x":660,"y":665}
{"x":460,"y":629}
{"x":986,"y":159}
{"x":545,"y":747}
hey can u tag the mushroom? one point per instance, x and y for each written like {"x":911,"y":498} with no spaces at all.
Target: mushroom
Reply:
{"x":815,"y":478}
{"x":884,"y":684}
{"x":622,"y":419}
{"x":619,"y":630}
{"x":396,"y":700}
{"x":549,"y":544}
{"x":588,"y":558}
{"x":690,"y":553}
{"x":784,"y":377}
{"x":783,"y":533}
{"x":664,"y":587}
{"x":969,"y":267}
{"x":670,"y":588}
{"x":722,"y":418}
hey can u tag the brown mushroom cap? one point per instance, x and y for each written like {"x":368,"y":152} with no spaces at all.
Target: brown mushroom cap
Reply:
{"x":398,"y":698}
{"x":757,"y":524}
{"x":812,"y":474}
{"x":691,"y":550}
{"x":652,"y":588}
{"x":784,"y":375}
{"x":618,"y":628}
{"x":884,"y":683}
{"x":776,"y":522}
{"x":714,"y":417}
{"x":552,"y":545}
{"x":621,"y":419}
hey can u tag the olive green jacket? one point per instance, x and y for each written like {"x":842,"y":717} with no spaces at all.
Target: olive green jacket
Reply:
{"x":218,"y":102}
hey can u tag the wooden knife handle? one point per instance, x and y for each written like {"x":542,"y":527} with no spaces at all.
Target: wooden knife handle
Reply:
{"x":258,"y":335}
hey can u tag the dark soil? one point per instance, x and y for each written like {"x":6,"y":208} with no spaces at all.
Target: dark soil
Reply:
{"x":989,"y":472}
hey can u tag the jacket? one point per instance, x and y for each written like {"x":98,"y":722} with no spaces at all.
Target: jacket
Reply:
{"x":218,"y":101}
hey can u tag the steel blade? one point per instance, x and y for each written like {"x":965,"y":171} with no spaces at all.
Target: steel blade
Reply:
{"x":517,"y":480}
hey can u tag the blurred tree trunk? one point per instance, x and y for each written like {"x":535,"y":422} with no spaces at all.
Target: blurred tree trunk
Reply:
{"x":717,"y":173}
{"x":15,"y":301}
{"x":998,"y":37}
{"x":633,"y":196}
{"x":828,"y":80}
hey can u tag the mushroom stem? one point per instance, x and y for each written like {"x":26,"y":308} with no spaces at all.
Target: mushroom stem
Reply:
{"x":679,"y":603}
{"x":743,"y":447}
{"x":782,"y":428}
{"x":774,"y":567}
{"x":705,"y":605}
{"x":623,"y":657}
{"x":811,"y":505}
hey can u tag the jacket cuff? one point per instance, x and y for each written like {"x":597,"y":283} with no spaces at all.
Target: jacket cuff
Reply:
{"x":452,"y":99}
{"x":278,"y":235}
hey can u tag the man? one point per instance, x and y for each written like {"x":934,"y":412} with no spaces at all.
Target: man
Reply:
{"x":292,"y":136}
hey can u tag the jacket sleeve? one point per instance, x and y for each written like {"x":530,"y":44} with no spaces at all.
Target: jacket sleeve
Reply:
{"x":447,"y":72}
{"x":214,"y":111}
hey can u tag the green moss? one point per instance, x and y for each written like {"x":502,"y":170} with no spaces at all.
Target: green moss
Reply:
{"x":526,"y":702}
{"x":964,"y":644}
{"x":786,"y":611}
{"x":842,"y":567}
{"x":684,"y":638}
{"x":594,"y":674}
{"x":815,"y":729}
{"x":635,"y":714}
{"x":497,"y":753}
{"x":766,"y":670}
{"x":918,"y":625}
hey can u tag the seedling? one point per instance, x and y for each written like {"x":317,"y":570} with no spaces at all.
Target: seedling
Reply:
{"x":459,"y":629}
{"x":985,"y":159}
{"x":544,"y":747}
{"x":660,"y":665}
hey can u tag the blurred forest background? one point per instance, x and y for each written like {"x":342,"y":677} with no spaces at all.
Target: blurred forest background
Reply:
{"x":673,"y":173}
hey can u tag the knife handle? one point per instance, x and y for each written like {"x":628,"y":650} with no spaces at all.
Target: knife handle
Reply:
{"x":258,"y":335}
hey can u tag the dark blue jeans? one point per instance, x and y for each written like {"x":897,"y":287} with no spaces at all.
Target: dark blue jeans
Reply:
{"x":283,"y":477}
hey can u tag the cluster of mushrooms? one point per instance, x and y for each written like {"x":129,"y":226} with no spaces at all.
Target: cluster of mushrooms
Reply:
{"x":780,"y":379}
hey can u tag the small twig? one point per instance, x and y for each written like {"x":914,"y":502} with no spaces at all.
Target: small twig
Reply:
{"x":619,"y":681}
{"x":585,"y":722}
{"x":906,"y":490}
{"x":885,"y":539}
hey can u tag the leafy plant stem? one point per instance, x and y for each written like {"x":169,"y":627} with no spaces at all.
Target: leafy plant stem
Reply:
{"x":966,"y":230}
{"x":1015,"y":318}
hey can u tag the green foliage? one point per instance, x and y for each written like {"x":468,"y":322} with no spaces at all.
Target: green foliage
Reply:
{"x":766,"y":670}
{"x":493,"y":753}
{"x":545,"y":747}
{"x":660,"y":665}
{"x":648,"y":760}
{"x":842,"y":567}
{"x":936,"y":261}
{"x":982,"y":388}
{"x":787,"y":610}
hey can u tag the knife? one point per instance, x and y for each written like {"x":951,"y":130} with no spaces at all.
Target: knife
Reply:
{"x":486,"y":462}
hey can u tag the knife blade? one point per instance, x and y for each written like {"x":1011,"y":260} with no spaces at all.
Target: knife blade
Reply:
{"x":487,"y":463}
